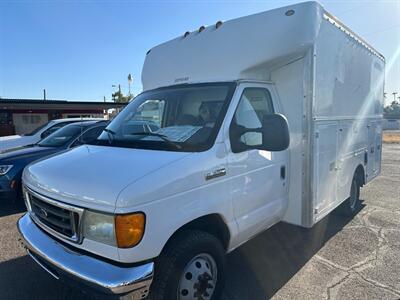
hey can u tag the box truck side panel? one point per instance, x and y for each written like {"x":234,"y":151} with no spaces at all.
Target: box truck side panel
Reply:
{"x":349,"y":77}
{"x":350,"y":154}
{"x":374,"y":149}
{"x":325,"y":165}
{"x":347,"y":111}
{"x":289,"y":82}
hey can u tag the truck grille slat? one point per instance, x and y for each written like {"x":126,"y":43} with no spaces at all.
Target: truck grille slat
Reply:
{"x":63,"y":213}
{"x":50,"y":219}
{"x":59,"y":219}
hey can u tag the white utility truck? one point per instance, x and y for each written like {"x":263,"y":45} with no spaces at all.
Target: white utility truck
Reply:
{"x":242,"y":124}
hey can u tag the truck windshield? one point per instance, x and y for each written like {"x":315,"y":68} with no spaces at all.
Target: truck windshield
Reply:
{"x":180,"y":118}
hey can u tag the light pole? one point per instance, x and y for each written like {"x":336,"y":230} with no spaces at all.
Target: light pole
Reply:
{"x":130,"y":80}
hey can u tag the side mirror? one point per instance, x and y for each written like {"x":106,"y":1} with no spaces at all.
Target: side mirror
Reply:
{"x":275,"y":133}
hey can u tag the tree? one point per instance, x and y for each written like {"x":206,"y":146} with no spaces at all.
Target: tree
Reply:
{"x":392,"y":111}
{"x":120,"y":98}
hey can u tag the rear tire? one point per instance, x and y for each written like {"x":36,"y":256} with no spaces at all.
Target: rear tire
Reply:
{"x":350,"y":207}
{"x":192,"y":266}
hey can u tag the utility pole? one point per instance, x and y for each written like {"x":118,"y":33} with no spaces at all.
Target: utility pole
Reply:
{"x":44,"y":94}
{"x":119,"y":92}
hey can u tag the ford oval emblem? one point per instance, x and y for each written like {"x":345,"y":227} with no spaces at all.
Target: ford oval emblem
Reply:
{"x":44,"y":212}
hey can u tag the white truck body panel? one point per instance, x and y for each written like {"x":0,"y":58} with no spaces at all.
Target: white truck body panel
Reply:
{"x":326,"y":81}
{"x":244,"y":48}
{"x":323,"y":72}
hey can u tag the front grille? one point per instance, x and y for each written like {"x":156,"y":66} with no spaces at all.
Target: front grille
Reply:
{"x":57,"y":218}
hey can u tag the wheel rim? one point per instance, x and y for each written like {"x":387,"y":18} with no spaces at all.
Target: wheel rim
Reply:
{"x":353,"y":196}
{"x":199,"y":278}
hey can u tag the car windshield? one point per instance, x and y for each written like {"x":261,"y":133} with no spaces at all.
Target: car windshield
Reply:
{"x":63,"y":136}
{"x":182,"y":118}
{"x":36,"y":130}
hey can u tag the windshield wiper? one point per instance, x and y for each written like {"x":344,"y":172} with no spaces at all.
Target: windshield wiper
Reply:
{"x":110,"y":135}
{"x":161,"y":136}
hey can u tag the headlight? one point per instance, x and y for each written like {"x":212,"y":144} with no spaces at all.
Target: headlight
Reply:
{"x":124,"y":231}
{"x":99,"y":227}
{"x":4,"y":169}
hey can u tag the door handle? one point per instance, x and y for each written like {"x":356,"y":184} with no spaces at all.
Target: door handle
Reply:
{"x":216,"y":173}
{"x":283,"y":172}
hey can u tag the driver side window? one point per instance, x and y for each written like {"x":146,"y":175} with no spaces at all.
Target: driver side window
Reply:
{"x":148,"y":117}
{"x":254,"y":105}
{"x":150,"y":111}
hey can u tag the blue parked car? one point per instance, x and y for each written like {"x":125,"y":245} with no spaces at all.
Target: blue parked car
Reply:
{"x":13,"y":161}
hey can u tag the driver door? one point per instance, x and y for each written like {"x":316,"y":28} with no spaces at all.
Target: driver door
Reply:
{"x":258,"y":177}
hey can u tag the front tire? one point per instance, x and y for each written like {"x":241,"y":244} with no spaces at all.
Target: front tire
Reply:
{"x":191,"y":267}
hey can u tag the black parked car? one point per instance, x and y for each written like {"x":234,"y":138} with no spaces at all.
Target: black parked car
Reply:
{"x":13,"y":161}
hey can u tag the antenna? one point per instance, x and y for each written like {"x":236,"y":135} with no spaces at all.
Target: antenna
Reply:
{"x":80,"y":136}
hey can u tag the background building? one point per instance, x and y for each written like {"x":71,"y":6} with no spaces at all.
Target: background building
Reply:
{"x":391,"y":124}
{"x":20,"y":116}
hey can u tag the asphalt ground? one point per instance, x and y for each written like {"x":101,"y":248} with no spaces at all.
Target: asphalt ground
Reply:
{"x":339,"y":258}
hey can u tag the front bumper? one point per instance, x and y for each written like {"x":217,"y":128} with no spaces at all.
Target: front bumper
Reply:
{"x":8,"y":196}
{"x":67,"y":265}
{"x":6,"y":192}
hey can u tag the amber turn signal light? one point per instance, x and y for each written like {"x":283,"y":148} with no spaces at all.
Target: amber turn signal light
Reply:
{"x":129,"y":229}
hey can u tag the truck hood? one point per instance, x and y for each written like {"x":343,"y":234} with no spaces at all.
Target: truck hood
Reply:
{"x":93,"y":176}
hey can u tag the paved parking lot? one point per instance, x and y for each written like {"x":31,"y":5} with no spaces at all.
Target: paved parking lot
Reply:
{"x":337,"y":259}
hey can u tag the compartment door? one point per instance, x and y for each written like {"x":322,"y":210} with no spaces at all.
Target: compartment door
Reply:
{"x":325,"y":166}
{"x":374,"y":149}
{"x":378,"y":145}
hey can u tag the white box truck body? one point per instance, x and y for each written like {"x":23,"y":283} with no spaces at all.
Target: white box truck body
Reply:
{"x":207,"y":171}
{"x":328,"y":80}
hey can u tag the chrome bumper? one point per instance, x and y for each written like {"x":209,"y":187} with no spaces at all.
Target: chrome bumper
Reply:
{"x":65,"y":264}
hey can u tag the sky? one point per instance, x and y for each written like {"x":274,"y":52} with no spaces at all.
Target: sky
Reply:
{"x":77,"y":50}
